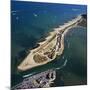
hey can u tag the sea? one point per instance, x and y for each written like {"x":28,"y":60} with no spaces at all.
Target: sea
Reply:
{"x":31,"y":22}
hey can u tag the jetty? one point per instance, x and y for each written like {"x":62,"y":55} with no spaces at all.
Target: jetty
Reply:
{"x":48,"y":49}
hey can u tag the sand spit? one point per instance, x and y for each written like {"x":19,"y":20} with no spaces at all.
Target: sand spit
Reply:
{"x":50,"y":48}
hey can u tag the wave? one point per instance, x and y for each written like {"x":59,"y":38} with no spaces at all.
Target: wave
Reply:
{"x":65,"y":63}
{"x":28,"y":75}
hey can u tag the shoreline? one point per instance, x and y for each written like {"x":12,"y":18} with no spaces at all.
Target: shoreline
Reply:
{"x":49,"y":43}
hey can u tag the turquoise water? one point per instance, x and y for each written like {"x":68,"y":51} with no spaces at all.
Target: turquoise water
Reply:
{"x":31,"y":22}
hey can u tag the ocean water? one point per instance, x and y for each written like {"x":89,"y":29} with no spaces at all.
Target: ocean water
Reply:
{"x":31,"y":22}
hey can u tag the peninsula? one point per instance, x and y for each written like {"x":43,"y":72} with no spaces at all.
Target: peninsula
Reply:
{"x":48,"y":49}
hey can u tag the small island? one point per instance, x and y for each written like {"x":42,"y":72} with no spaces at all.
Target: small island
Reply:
{"x":52,"y":46}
